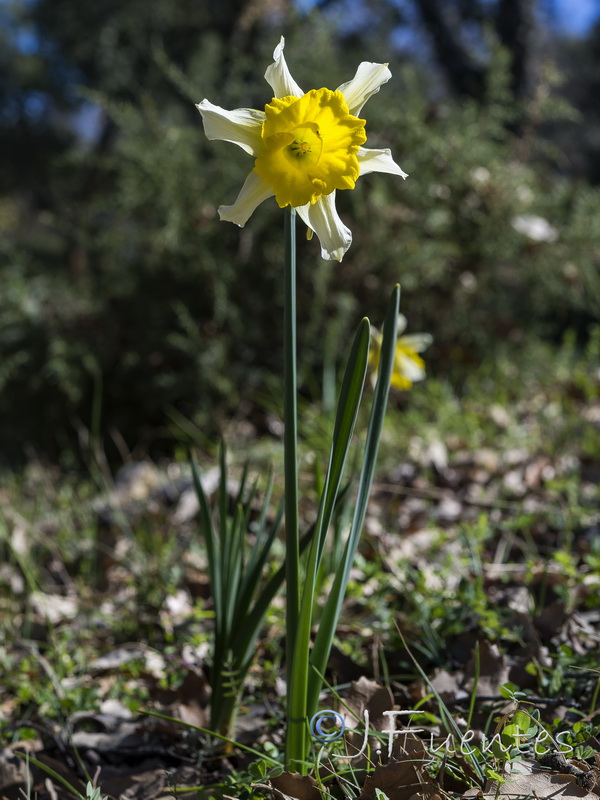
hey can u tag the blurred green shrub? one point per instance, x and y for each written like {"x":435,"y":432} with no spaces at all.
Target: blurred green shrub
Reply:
{"x":124,"y":297}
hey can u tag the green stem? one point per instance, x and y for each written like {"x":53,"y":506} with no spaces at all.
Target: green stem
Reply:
{"x":290,"y":443}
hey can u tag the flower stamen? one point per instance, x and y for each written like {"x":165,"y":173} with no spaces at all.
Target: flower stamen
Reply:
{"x":306,"y":148}
{"x":299,"y":148}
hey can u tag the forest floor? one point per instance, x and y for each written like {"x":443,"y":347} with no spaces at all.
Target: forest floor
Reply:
{"x":473,"y":609}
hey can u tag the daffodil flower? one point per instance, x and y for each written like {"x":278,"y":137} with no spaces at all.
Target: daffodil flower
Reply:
{"x":305,"y":147}
{"x":409,"y":367}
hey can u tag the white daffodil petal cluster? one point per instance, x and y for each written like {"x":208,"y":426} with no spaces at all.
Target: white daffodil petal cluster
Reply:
{"x":305,"y":146}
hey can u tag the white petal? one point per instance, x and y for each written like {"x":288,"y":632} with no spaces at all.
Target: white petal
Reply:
{"x":370,"y":160}
{"x":407,"y":367}
{"x":279,"y":77}
{"x":416,"y":341}
{"x":402,"y":323}
{"x":242,"y":126}
{"x":251,"y":195}
{"x":323,"y":219}
{"x":369,"y":77}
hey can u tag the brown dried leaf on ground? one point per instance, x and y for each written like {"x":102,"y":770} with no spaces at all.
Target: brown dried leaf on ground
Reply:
{"x":367,"y":695}
{"x":448,"y":685}
{"x":132,"y":784}
{"x":538,"y":785}
{"x":493,"y":670}
{"x":293,"y":786}
{"x":366,"y":698}
{"x":188,"y":701}
{"x":14,"y":773}
{"x":401,"y":779}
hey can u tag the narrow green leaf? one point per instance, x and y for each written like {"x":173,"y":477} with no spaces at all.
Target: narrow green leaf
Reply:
{"x":222,"y":502}
{"x":207,"y":529}
{"x":53,"y":773}
{"x":232,"y":567}
{"x":248,"y":632}
{"x":348,"y":405}
{"x":347,"y":411}
{"x":260,"y":527}
{"x":260,"y":530}
{"x":333,"y":605}
{"x":274,"y":762}
{"x":449,"y":723}
{"x":252,"y":578}
{"x":239,"y":498}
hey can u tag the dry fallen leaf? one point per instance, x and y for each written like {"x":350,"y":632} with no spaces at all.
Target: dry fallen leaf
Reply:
{"x":293,"y":786}
{"x":399,"y":780}
{"x":493,"y":670}
{"x":13,"y":772}
{"x":366,"y":696}
{"x":539,"y":785}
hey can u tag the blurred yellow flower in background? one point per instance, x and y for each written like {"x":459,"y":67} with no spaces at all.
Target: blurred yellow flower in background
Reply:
{"x":409,"y":367}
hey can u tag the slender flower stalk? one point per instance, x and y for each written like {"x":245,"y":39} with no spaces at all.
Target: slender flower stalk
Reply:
{"x":290,"y":415}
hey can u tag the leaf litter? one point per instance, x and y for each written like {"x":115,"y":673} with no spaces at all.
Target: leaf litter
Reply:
{"x":485,"y":560}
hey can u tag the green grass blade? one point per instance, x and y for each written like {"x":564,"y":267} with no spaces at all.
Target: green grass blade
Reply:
{"x":253,"y":573}
{"x":259,"y":754}
{"x":223,"y":539}
{"x":212,"y":553}
{"x":232,"y":569}
{"x":239,"y":498}
{"x":222,"y":496}
{"x":447,"y":717}
{"x":53,"y":773}
{"x":260,"y":531}
{"x":333,"y":606}
{"x":253,"y":621}
{"x":218,"y":552}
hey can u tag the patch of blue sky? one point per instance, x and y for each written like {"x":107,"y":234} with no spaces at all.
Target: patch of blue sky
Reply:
{"x":575,"y":17}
